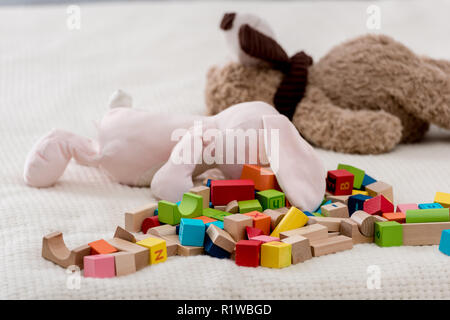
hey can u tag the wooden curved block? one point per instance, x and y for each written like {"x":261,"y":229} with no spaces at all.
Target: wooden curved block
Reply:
{"x":350,"y":229}
{"x":365,"y":221}
{"x":55,"y":250}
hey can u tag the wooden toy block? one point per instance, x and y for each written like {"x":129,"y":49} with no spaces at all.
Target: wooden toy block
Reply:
{"x":324,"y":203}
{"x":331,"y":197}
{"x":349,"y":228}
{"x":163,"y":230}
{"x":215,"y":251}
{"x":301,"y":249}
{"x":124,"y":234}
{"x":235,"y":225}
{"x":330,"y":245}
{"x":444,"y":244}
{"x":335,"y":210}
{"x":218,"y":224}
{"x":248,"y":253}
{"x":430,"y":206}
{"x":388,"y":234}
{"x":399,"y":217}
{"x":141,"y":254}
{"x":356,"y":203}
{"x":150,"y":223}
{"x":275,"y":217}
{"x":380,"y":219}
{"x":215,"y":214}
{"x":189,"y":251}
{"x":232,"y":207}
{"x":260,"y":221}
{"x":406,"y":206}
{"x":380,"y":187}
{"x":365,"y":221}
{"x":233,"y":256}
{"x":99,"y":266}
{"x":271,"y":199}
{"x":443,"y":199}
{"x":276,"y":254}
{"x":249,"y":206}
{"x":284,"y":209}
{"x":358,"y":173}
{"x":420,"y":234}
{"x":205,"y":219}
{"x":263,"y":177}
{"x":221,"y":208}
{"x":101,"y":247}
{"x":204,"y":192}
{"x":332,"y":224}
{"x":125,"y":263}
{"x":293,"y":219}
{"x":171,"y":246}
{"x":312,"y":232}
{"x":179,"y":249}
{"x":55,"y":250}
{"x":253,"y":232}
{"x":192,"y":232}
{"x":378,"y":205}
{"x":224,"y":191}
{"x":190,"y":207}
{"x":360,"y":192}
{"x":134,"y":219}
{"x":263,"y":238}
{"x":333,"y":234}
{"x":340,"y":182}
{"x":157,"y":248}
{"x":427,"y":215}
{"x":366,"y":181}
{"x":221,"y":238}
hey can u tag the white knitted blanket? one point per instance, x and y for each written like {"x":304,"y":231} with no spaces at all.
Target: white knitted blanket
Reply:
{"x":51,"y":76}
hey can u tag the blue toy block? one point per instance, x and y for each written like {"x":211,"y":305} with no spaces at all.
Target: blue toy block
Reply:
{"x":444,"y":244}
{"x":177,"y":229}
{"x":356,"y":202}
{"x":155,"y":213}
{"x":208,"y":183}
{"x":218,"y":224}
{"x":211,"y":205}
{"x":366,"y":181}
{"x":215,"y":251}
{"x":430,"y":206}
{"x":324,"y":203}
{"x":309,"y":214}
{"x":192,"y":232}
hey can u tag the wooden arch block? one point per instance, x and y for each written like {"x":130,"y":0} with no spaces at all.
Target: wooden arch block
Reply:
{"x":55,"y":250}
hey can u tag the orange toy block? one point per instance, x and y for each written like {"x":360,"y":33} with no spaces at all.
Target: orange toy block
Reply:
{"x":205,"y":219}
{"x":400,"y":217}
{"x":260,"y":220}
{"x":101,"y":247}
{"x":263,"y":177}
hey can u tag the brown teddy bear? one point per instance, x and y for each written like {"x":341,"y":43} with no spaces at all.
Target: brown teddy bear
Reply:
{"x":365,"y":96}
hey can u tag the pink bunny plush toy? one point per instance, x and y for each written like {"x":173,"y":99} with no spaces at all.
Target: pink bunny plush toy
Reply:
{"x":138,"y":148}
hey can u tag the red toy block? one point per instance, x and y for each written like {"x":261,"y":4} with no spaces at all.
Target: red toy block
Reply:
{"x":265,"y":239}
{"x":253,"y":232}
{"x":224,"y":191}
{"x":260,"y":221}
{"x":399,"y":217}
{"x":248,"y":253}
{"x":340,"y":182}
{"x":407,"y":206}
{"x":101,"y":247}
{"x":378,"y":205}
{"x":149,"y":223}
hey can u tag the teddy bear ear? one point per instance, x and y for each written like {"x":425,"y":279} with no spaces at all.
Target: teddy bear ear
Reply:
{"x":299,"y":171}
{"x":227,"y":21}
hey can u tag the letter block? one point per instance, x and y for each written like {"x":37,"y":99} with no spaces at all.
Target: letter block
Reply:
{"x":358,"y":174}
{"x":224,"y":191}
{"x":444,"y":244}
{"x":378,"y":205}
{"x":340,"y":182}
{"x":293,"y":219}
{"x":236,"y":225}
{"x":443,"y":199}
{"x":260,"y":221}
{"x":276,"y":254}
{"x":335,"y":210}
{"x":388,"y":234}
{"x":157,"y":248}
{"x":190,"y":207}
{"x":249,"y":206}
{"x":99,"y":266}
{"x":192,"y":232}
{"x":271,"y":199}
{"x":248,"y":253}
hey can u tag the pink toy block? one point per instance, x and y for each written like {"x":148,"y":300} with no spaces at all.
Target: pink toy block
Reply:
{"x":99,"y":266}
{"x":407,"y":206}
{"x":265,"y":238}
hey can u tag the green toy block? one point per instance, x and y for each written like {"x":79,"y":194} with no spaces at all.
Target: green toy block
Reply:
{"x":427,"y":215}
{"x":388,"y":234}
{"x":215,"y":214}
{"x":271,"y":199}
{"x":358,"y":173}
{"x":316,"y":214}
{"x":249,"y":206}
{"x":190,"y":207}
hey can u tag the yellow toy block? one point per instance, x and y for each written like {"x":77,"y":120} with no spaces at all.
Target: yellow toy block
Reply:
{"x":276,"y":254}
{"x":359,"y":192}
{"x":293,"y":219}
{"x":157,"y":248}
{"x":443,"y":199}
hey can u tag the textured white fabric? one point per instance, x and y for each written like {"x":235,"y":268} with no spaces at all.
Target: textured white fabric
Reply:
{"x":159,"y":53}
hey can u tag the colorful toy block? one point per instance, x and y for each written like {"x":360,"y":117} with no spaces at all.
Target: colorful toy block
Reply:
{"x":215,"y":251}
{"x":215,"y":214}
{"x":293,"y":219}
{"x":260,"y":221}
{"x":336,"y":210}
{"x":276,"y":254}
{"x":358,"y":173}
{"x":443,"y":199}
{"x":221,"y":238}
{"x":427,"y":215}
{"x":380,"y":187}
{"x":55,"y":250}
{"x":366,"y":181}
{"x":236,"y":225}
{"x":378,"y":205}
{"x":224,"y":191}
{"x":388,"y":234}
{"x":253,"y":232}
{"x":232,"y":207}
{"x":301,"y":248}
{"x":134,"y":218}
{"x":356,"y":203}
{"x":99,"y":266}
{"x":430,"y":206}
{"x":218,"y":224}
{"x":157,"y":249}
{"x":264,"y":238}
{"x":406,"y":206}
{"x":204,"y":192}
{"x":149,"y":223}
{"x":444,"y":245}
{"x":101,"y":247}
{"x":365,"y":222}
{"x":124,"y":262}
{"x":192,"y":232}
{"x":141,"y":254}
{"x":249,"y":206}
{"x":312,"y":232}
{"x":420,"y":234}
{"x":263,"y":177}
{"x":399,"y":217}
{"x":324,"y":203}
{"x":190,"y":207}
{"x":205,"y":219}
{"x":360,"y":192}
{"x":248,"y":253}
{"x":340,"y":182}
{"x":330,"y":245}
{"x":271,"y":199}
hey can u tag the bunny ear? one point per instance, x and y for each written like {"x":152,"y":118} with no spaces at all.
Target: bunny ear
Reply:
{"x":299,"y":171}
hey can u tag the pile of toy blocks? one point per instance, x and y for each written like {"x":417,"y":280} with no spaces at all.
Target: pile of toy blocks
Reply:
{"x":250,"y":221}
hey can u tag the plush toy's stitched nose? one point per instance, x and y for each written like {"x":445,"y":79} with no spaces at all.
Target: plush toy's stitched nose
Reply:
{"x":227,"y":21}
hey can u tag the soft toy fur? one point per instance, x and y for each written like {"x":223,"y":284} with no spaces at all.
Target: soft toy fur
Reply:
{"x":365,"y":96}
